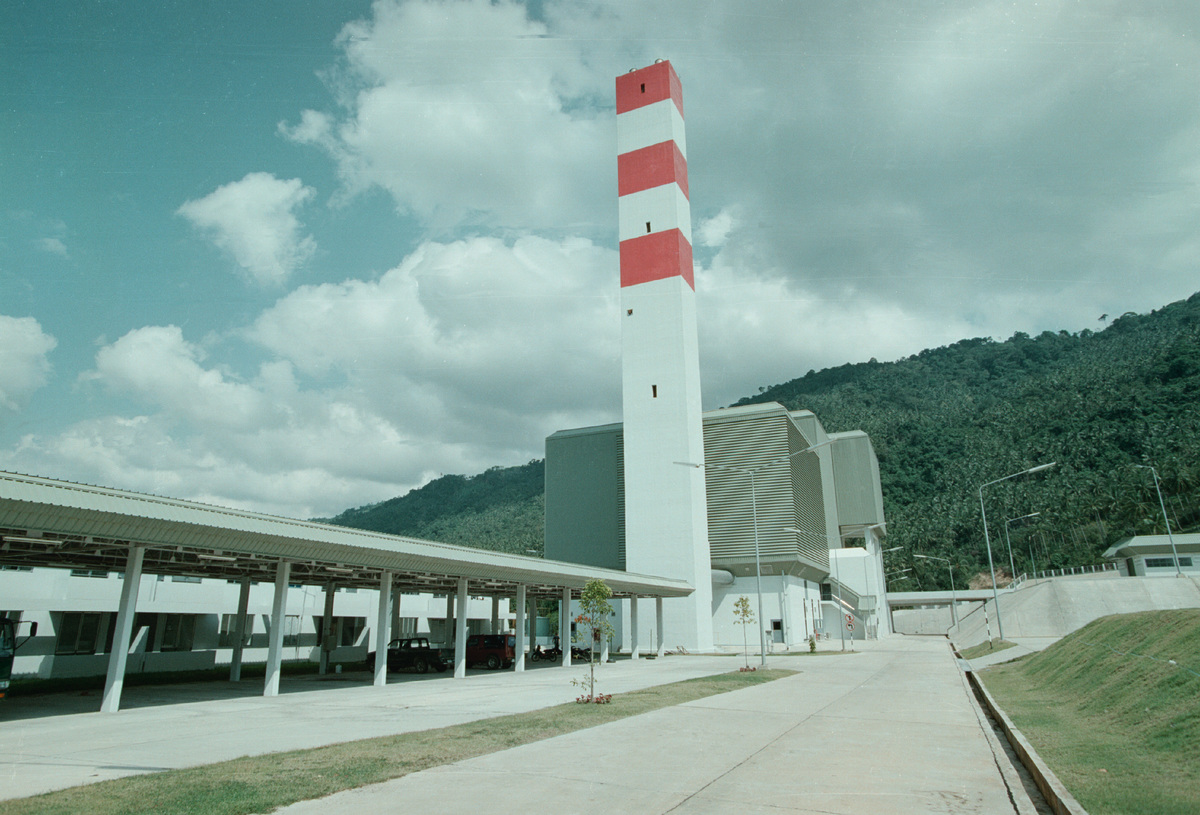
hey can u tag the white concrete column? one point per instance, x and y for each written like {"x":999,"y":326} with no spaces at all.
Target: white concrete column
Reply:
{"x":520,"y":642}
{"x":383,"y":633}
{"x":533,"y":618}
{"x":278,"y":612}
{"x":460,"y":632}
{"x":658,"y":613}
{"x":564,"y":627}
{"x":603,"y":648}
{"x":239,"y":631}
{"x":635,"y":648}
{"x":125,"y":614}
{"x":495,"y":614}
{"x":326,"y":643}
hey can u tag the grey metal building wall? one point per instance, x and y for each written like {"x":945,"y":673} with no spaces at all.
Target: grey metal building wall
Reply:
{"x":856,"y":480}
{"x":585,"y":511}
{"x":585,"y":485}
{"x":788,"y":494}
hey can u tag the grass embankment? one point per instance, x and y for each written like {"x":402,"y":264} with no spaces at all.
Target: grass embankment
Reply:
{"x":1115,"y":720}
{"x":263,"y":783}
{"x":984,"y":648}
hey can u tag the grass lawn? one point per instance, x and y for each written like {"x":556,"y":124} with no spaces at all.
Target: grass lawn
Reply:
{"x":982,"y":648}
{"x":262,"y":783}
{"x":1121,"y":731}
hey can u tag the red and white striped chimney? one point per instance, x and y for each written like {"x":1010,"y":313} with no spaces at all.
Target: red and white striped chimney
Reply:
{"x":666,"y":516}
{"x":655,"y":222}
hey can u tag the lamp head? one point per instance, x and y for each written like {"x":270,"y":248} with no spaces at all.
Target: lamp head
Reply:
{"x":1040,"y":467}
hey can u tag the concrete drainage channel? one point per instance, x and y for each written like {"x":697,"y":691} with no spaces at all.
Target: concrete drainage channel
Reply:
{"x":1056,"y":797}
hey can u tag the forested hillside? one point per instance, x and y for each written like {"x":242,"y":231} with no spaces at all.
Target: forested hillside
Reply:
{"x":501,"y":509}
{"x":943,"y":422}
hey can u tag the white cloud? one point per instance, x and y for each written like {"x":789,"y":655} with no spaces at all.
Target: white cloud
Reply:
{"x":24,"y":362}
{"x":468,"y":112}
{"x":254,"y":221}
{"x":475,"y":341}
{"x":54,"y":246}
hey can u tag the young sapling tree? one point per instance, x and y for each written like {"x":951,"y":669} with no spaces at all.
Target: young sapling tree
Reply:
{"x":744,"y":615}
{"x":593,"y":622}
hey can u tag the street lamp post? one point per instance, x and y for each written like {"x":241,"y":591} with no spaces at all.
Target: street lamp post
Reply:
{"x":1008,"y":540}
{"x":953,"y":596}
{"x":750,"y":471}
{"x":1166,"y":522}
{"x":988,"y":540}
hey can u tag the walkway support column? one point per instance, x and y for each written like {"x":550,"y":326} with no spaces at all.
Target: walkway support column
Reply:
{"x":564,"y":627}
{"x":239,"y":631}
{"x":278,"y":610}
{"x":327,"y":628}
{"x":449,"y":640}
{"x":533,"y":618}
{"x":519,"y":664}
{"x":661,"y":649}
{"x":635,"y":648}
{"x":603,"y":647}
{"x":125,"y":614}
{"x":460,"y":632}
{"x":495,"y":614}
{"x":383,"y":634}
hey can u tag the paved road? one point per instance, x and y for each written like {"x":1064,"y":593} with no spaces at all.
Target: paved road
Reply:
{"x":892,"y":729}
{"x":889,"y":730}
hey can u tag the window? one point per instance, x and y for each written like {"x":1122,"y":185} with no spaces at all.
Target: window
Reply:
{"x":184,"y":578}
{"x":1168,"y":562}
{"x":345,"y":630}
{"x":826,"y":591}
{"x":225,"y":637}
{"x":291,"y":631}
{"x":350,"y":629}
{"x":178,"y":630}
{"x":89,"y":573}
{"x":77,"y":631}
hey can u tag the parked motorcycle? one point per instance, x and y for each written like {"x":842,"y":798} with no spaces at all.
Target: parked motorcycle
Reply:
{"x":547,"y":654}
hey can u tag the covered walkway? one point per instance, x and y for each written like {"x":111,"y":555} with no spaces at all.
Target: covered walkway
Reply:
{"x":57,"y":524}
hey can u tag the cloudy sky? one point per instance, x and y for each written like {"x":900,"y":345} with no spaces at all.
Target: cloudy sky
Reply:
{"x":276,"y":256}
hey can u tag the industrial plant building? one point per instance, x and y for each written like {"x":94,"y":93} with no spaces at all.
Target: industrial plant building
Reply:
{"x":788,"y":505}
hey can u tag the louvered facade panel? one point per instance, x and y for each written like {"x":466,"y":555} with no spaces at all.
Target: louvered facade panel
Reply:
{"x":859,"y":493}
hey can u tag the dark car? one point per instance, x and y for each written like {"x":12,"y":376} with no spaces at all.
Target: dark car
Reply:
{"x":413,"y":653}
{"x":494,"y":650}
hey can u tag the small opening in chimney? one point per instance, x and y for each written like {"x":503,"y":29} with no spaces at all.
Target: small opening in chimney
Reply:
{"x":647,"y":226}
{"x":643,"y":87}
{"x":654,"y":391}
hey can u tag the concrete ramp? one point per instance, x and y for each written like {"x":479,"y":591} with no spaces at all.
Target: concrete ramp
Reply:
{"x":1057,"y":606}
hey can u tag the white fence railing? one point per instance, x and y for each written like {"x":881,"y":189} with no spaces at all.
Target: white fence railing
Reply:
{"x":1065,"y":572}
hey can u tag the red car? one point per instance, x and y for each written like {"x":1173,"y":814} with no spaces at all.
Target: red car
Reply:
{"x":495,"y":650}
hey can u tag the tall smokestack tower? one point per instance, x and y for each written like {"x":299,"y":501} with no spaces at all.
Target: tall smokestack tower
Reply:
{"x":666,"y":518}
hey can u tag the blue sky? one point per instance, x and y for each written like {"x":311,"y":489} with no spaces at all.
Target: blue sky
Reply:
{"x":300,"y":256}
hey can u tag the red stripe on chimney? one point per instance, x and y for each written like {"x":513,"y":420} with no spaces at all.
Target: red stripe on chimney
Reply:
{"x":648,"y":85}
{"x":651,"y":167}
{"x":656,"y":256}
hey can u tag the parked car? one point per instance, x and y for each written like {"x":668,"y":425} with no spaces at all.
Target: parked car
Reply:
{"x":413,"y":653}
{"x":494,"y":650}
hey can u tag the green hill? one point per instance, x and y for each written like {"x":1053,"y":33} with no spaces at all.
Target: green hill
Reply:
{"x":943,"y":422}
{"x":501,"y":509}
{"x":1114,"y":709}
